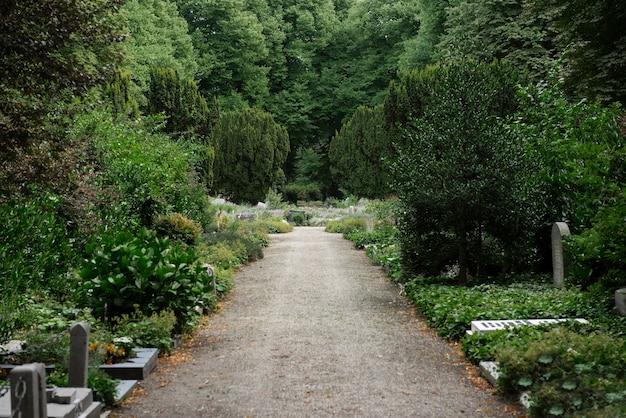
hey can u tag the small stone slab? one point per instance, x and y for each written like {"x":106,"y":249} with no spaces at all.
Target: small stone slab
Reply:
{"x":124,"y":389}
{"x":83,"y":402}
{"x":64,"y":396}
{"x":136,"y":368}
{"x":490,"y":326}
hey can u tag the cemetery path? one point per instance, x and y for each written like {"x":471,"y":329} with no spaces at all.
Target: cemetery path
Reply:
{"x":314,"y":330}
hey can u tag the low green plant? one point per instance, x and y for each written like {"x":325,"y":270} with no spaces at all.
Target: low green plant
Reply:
{"x":123,"y":270}
{"x":36,"y":247}
{"x":346,"y":225}
{"x":147,"y":331}
{"x":451,"y":308}
{"x":244,"y":248}
{"x":178,"y":227}
{"x":566,"y":373}
{"x":41,"y":346}
{"x":274,"y":225}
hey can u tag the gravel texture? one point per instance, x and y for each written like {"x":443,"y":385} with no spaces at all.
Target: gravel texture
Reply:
{"x":314,"y":330}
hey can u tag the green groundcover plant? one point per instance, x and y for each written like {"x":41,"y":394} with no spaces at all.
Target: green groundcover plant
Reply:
{"x":123,"y":270}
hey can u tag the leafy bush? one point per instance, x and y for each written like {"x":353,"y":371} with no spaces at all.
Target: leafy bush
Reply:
{"x":123,"y":270}
{"x":144,"y":172}
{"x":346,"y":225}
{"x":244,"y":248}
{"x":567,"y":373}
{"x":302,"y":192}
{"x":148,"y":331}
{"x":36,"y":247}
{"x":274,"y":226}
{"x":178,"y":227}
{"x":382,"y":248}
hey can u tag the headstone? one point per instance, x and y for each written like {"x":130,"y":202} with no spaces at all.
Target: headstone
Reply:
{"x":28,"y":391}
{"x":620,"y":301}
{"x":79,"y":355}
{"x":559,"y":231}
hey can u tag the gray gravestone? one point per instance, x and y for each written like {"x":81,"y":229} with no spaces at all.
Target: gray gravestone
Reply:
{"x":79,"y":355}
{"x":620,"y":301}
{"x":559,"y":231}
{"x":28,"y":391}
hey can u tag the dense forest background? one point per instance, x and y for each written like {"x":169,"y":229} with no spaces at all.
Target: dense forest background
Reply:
{"x":309,"y":65}
{"x":489,"y":119}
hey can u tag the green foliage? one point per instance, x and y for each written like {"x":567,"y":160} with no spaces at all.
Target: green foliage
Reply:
{"x":593,"y":39}
{"x":186,"y":109}
{"x":119,"y":90}
{"x":462,"y":178}
{"x":233,"y":62}
{"x":360,"y":154}
{"x":158,"y":37}
{"x":295,"y":193}
{"x":451,"y":308}
{"x":420,"y":50}
{"x":178,"y":227}
{"x":381,"y":246}
{"x":346,"y":226}
{"x":50,"y":51}
{"x":244,"y":248}
{"x":36,"y":247}
{"x":275,"y":225}
{"x":142,"y":173}
{"x":122,"y":270}
{"x":104,"y":386}
{"x":581,"y":150}
{"x":566,"y":373}
{"x":148,"y":331}
{"x":484,"y":30}
{"x":250,"y":148}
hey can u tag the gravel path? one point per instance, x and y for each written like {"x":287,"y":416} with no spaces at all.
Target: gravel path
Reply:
{"x":313,"y":330}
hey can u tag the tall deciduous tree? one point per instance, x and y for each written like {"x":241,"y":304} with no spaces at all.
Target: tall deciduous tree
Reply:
{"x":460,"y":176}
{"x":421,"y":50}
{"x":593,"y":36}
{"x":50,"y":50}
{"x":250,"y":148}
{"x":360,"y":59}
{"x":232,"y":49}
{"x":484,"y":30}
{"x":50,"y":53}
{"x":159,"y":37}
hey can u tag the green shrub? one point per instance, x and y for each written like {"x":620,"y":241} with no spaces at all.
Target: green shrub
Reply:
{"x":566,"y":373}
{"x":244,"y":248}
{"x":178,"y":227}
{"x":302,"y":192}
{"x":36,"y":247}
{"x":144,"y":172}
{"x":123,"y":270}
{"x":148,"y":331}
{"x":222,"y":255}
{"x":275,"y":226}
{"x":346,"y":225}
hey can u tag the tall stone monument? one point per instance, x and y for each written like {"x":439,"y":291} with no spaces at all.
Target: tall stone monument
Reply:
{"x":559,"y":231}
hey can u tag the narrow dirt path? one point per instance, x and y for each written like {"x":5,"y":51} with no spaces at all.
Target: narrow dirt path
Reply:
{"x":313,"y":330}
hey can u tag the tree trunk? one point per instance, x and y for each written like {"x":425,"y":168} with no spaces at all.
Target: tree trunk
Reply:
{"x":462,"y":256}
